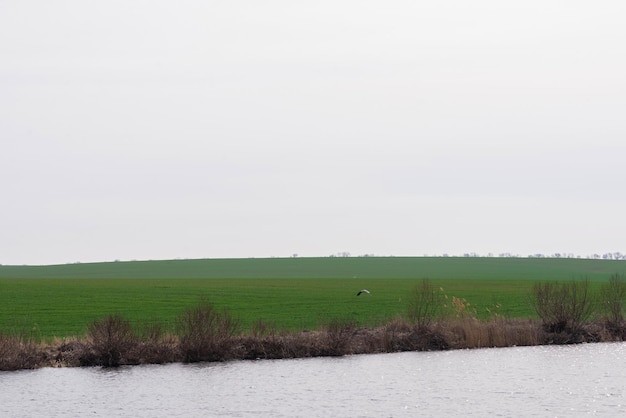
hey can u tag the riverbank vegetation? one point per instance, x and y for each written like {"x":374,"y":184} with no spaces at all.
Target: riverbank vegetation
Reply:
{"x":565,"y":312}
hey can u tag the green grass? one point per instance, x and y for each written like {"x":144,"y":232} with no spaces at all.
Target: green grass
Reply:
{"x":290,"y":293}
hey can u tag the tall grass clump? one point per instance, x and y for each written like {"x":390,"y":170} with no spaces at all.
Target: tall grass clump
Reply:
{"x":18,"y":352}
{"x":205,"y":333}
{"x":563,"y":307}
{"x":470,"y":332}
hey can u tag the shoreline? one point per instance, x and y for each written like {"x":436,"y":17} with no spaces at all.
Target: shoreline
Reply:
{"x":120,"y":347}
{"x":569,"y":313}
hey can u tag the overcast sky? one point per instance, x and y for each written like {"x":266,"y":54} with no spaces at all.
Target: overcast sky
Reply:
{"x":193,"y":129}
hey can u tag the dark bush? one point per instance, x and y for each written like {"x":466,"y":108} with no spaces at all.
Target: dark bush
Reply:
{"x":429,"y":339}
{"x":111,"y":342}
{"x":563,"y":307}
{"x":338,"y":335}
{"x":425,"y":305}
{"x":612,"y":298}
{"x":205,"y":333}
{"x":395,"y":335}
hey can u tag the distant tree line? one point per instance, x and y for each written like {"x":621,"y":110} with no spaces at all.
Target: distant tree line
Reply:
{"x":606,"y":256}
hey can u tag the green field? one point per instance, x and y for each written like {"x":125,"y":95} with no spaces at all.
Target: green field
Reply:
{"x":293,"y":293}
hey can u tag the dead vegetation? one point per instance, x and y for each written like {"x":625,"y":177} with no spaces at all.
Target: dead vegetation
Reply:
{"x":18,"y":352}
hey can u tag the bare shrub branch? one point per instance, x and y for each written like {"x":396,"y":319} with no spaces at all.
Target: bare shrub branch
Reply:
{"x":613,"y":296}
{"x":204,"y":333}
{"x":563,"y":307}
{"x":425,"y":305}
{"x":111,"y":340}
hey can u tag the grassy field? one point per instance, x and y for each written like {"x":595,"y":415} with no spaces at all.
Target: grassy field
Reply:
{"x":329,"y":268}
{"x":294,"y":293}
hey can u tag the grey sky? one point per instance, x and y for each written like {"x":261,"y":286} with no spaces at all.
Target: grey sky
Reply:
{"x":162,"y":129}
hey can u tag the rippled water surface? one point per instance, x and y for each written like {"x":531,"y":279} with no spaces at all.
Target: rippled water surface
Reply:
{"x":576,"y":380}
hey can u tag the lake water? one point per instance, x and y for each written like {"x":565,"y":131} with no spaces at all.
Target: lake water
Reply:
{"x":588,"y":379}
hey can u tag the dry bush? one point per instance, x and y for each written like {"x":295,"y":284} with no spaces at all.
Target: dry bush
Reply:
{"x":367,"y":341}
{"x":394,"y":335}
{"x":265,"y":342}
{"x":206,"y":334}
{"x":303,"y":344}
{"x":563,"y":307}
{"x":68,"y":352}
{"x":18,"y":352}
{"x":399,"y":325}
{"x":431,"y":338}
{"x":283,"y":345}
{"x":425,"y":305}
{"x":156,"y":346}
{"x":401,"y":335}
{"x":256,"y":348}
{"x":338,"y":336}
{"x":10,"y":348}
{"x":110,"y":343}
{"x":612,"y":298}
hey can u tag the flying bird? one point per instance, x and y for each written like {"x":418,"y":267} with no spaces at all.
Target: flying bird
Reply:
{"x":363,"y":291}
